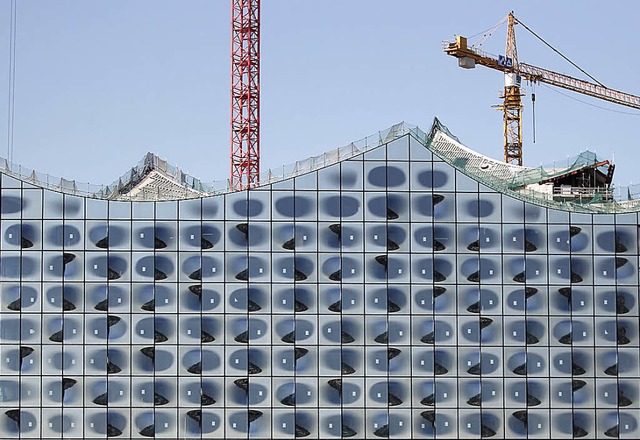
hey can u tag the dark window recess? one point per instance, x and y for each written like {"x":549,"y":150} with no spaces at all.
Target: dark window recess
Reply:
{"x":430,"y":400}
{"x":242,"y":383}
{"x":244,"y":228}
{"x":621,"y":308}
{"x":336,"y":384}
{"x":346,"y":369}
{"x":112,"y":368}
{"x":25,"y":243}
{"x":623,"y":400}
{"x":438,"y":277}
{"x":485,"y":322}
{"x":56,"y":337}
{"x":391,"y":214}
{"x":529,"y":292}
{"x":522,"y":415}
{"x":575,"y":278}
{"x":206,"y":400}
{"x":206,"y":337}
{"x":158,"y":243}
{"x":485,"y":431}
{"x":393,"y":352}
{"x":474,"y":277}
{"x":196,"y":415}
{"x":112,"y":431}
{"x":301,"y":431}
{"x":439,"y":369}
{"x":438,"y":290}
{"x":576,"y":384}
{"x":300,"y":306}
{"x":429,"y":338}
{"x":476,"y":369}
{"x":438,"y":246}
{"x":394,"y":400}
{"x":474,"y":308}
{"x":346,"y":338}
{"x":159,"y":275}
{"x":383,"y":260}
{"x":253,"y":306}
{"x":521,"y":370}
{"x":437,"y":198}
{"x":392,"y":307}
{"x":195,"y":368}
{"x":613,"y":432}
{"x":336,"y":229}
{"x":14,"y":414}
{"x":336,"y":306}
{"x":243,"y":337}
{"x":566,"y":292}
{"x":612,"y":370}
{"x":67,"y":383}
{"x":159,"y":337}
{"x":15,"y":305}
{"x":577,"y":370}
{"x":579,"y":431}
{"x":159,"y":399}
{"x":253,"y":368}
{"x":148,"y":431}
{"x":529,"y":247}
{"x":102,"y":399}
{"x":475,"y":246}
{"x":103,"y":243}
{"x":520,"y":278}
{"x":382,"y":338}
{"x":475,"y":400}
{"x":531,"y":339}
{"x":149,"y":306}
{"x":299,"y":276}
{"x":205,"y":244}
{"x":112,"y":274}
{"x":620,"y":247}
{"x":243,"y":276}
{"x":289,"y":245}
{"x":336,"y":276}
{"x":149,"y":352}
{"x":620,"y":261}
{"x":383,"y":431}
{"x":622,"y":336}
{"x":574,"y":230}
{"x":392,"y":245}
{"x":196,"y":289}
{"x":299,"y":352}
{"x":253,"y":415}
{"x":289,"y":338}
{"x":429,"y":416}
{"x":289,"y":400}
{"x":566,"y":339}
{"x":533,"y":400}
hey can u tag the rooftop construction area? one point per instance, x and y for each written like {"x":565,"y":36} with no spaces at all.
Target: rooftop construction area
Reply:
{"x":581,"y":183}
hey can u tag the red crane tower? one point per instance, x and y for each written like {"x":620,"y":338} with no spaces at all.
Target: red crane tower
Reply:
{"x":245,"y":93}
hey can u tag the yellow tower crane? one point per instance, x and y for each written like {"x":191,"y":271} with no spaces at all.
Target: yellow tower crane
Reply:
{"x":514,"y":72}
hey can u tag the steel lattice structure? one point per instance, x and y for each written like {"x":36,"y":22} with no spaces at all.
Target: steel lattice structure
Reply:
{"x":245,"y":93}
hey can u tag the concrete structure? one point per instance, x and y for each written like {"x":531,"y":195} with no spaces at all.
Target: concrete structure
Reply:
{"x":403,"y":287}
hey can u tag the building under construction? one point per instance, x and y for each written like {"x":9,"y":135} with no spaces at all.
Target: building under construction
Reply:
{"x":402,"y":286}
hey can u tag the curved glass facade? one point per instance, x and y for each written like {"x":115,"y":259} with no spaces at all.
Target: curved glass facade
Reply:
{"x":386,"y":295}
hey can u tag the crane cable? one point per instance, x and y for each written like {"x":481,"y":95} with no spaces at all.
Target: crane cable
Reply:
{"x":559,"y":53}
{"x":13,"y":22}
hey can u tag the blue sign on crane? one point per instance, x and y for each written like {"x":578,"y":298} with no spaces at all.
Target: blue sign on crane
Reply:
{"x":505,"y":61}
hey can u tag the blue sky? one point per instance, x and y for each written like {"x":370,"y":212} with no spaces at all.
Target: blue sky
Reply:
{"x":100,"y":83}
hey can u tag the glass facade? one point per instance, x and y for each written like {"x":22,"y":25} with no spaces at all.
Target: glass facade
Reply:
{"x":387,"y":295}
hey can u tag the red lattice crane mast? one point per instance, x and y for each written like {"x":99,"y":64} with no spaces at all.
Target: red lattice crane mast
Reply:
{"x":245,"y":93}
